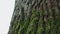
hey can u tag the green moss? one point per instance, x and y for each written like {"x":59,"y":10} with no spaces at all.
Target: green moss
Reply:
{"x":58,"y":18}
{"x":30,"y":26}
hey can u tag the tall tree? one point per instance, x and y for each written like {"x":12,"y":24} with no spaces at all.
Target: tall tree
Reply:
{"x":35,"y":17}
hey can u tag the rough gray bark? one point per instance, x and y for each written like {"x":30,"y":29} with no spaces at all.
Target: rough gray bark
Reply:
{"x":36,"y":17}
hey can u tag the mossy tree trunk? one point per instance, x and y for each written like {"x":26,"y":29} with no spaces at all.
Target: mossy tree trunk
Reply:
{"x":36,"y":17}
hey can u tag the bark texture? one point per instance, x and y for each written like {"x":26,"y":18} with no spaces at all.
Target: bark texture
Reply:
{"x":35,"y":17}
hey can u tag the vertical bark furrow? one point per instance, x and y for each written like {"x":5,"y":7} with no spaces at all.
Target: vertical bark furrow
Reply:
{"x":36,"y":17}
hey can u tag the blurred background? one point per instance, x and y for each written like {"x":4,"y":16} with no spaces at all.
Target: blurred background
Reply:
{"x":6,"y":10}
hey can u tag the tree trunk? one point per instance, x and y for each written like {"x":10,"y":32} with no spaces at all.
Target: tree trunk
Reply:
{"x":36,"y":17}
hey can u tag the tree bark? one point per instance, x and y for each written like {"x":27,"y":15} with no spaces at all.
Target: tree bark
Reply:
{"x":35,"y":17}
